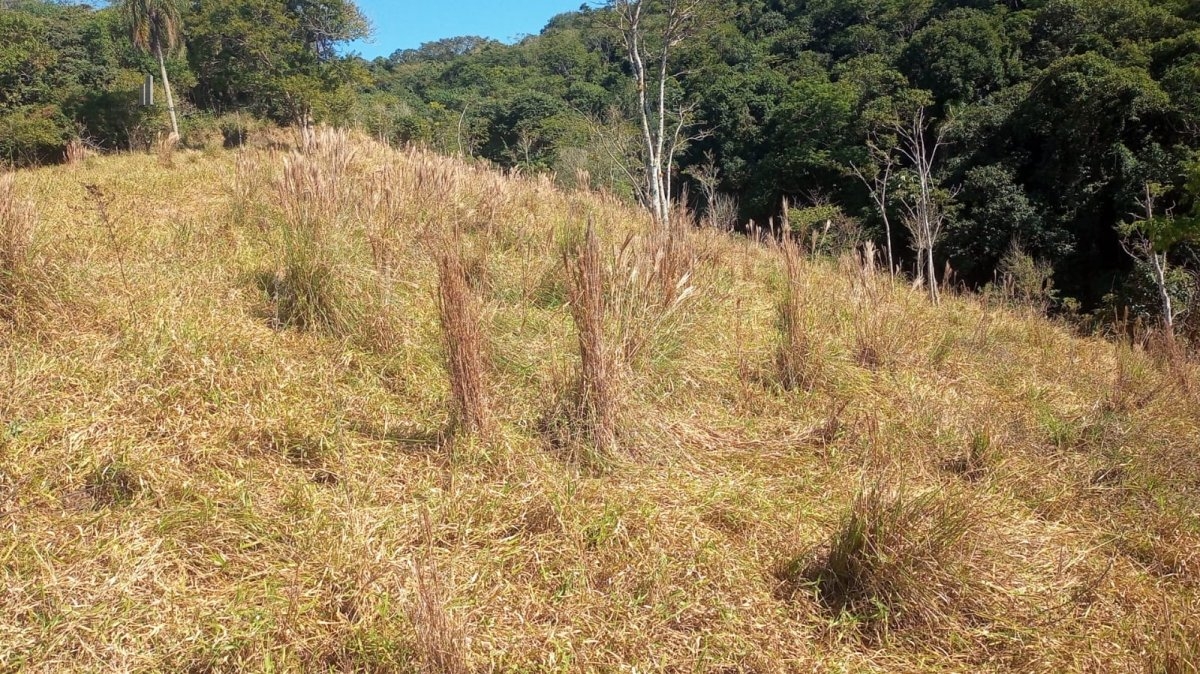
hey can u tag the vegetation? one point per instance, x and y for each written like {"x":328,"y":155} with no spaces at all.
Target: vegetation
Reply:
{"x":948,"y":130}
{"x":191,"y":482}
{"x":474,"y":387}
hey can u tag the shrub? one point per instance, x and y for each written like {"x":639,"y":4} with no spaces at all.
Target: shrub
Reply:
{"x":31,"y":136}
{"x":202,"y":132}
{"x":1026,"y":281}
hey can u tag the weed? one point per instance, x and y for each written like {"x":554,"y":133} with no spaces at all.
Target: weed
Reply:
{"x":439,"y":636}
{"x":597,"y":397}
{"x":794,"y":357}
{"x":309,"y":290}
{"x":113,"y":484}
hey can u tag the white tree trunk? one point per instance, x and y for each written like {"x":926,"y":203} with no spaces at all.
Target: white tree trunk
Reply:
{"x":1160,"y":276}
{"x":162,"y":67}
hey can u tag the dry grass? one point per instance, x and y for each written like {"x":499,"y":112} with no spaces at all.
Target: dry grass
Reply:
{"x":795,"y":361}
{"x":896,"y":561}
{"x":22,"y":282}
{"x":439,"y":636}
{"x":185,"y":485}
{"x":596,"y":396}
{"x":310,"y":290}
{"x":465,"y":337}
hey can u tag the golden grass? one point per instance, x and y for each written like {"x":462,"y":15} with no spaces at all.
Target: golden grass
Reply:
{"x":187,"y":484}
{"x":23,"y":281}
{"x":464,"y":330}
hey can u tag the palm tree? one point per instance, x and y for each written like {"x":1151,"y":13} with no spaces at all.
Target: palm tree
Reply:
{"x":154,"y":27}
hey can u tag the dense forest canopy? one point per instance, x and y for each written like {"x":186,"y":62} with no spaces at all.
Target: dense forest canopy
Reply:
{"x":1059,"y":117}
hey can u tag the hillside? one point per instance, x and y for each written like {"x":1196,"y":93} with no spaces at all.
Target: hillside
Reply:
{"x":229,"y":441}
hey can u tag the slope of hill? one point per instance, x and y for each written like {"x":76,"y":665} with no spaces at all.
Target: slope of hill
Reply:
{"x":229,"y":441}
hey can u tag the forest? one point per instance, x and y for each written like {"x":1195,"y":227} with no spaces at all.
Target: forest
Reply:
{"x":1061,"y":137}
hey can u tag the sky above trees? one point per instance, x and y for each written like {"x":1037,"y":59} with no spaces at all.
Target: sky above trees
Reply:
{"x":407,"y":24}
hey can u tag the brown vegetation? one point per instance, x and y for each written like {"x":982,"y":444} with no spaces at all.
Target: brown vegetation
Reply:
{"x":217,"y":456}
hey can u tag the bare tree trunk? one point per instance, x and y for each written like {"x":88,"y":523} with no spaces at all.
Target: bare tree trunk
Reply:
{"x":1140,"y":247}
{"x":878,"y":188}
{"x":887,"y":230}
{"x":659,"y":151}
{"x":1160,"y":276}
{"x":924,"y":210}
{"x":162,"y":67}
{"x":934,"y":292}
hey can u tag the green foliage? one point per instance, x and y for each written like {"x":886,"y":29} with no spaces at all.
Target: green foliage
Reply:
{"x":805,"y":220}
{"x":276,"y":59}
{"x":30,"y":135}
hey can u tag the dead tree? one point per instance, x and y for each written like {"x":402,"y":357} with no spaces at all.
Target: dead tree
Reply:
{"x":1147,"y":240}
{"x":651,"y":29}
{"x":922,"y":199}
{"x":877,"y":178}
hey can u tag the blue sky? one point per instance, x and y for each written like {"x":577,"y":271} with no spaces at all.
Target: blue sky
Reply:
{"x":405,"y":24}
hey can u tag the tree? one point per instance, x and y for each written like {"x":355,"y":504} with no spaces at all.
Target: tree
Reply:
{"x":276,"y":58}
{"x":649,"y":41}
{"x":1151,"y":235}
{"x":877,"y":177}
{"x":918,"y":142}
{"x":155,"y":27}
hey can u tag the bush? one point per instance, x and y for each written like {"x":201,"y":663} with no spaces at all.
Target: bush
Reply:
{"x":238,"y":129}
{"x":32,"y":135}
{"x":201,"y":132}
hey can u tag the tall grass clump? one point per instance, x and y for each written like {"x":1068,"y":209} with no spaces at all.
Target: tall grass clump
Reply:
{"x":877,"y":333}
{"x":1176,"y":648}
{"x":652,"y":284}
{"x":245,"y":189}
{"x":596,"y":413}
{"x":894,"y":561}
{"x":20,"y":282}
{"x":463,"y":337}
{"x":794,"y":356}
{"x":309,"y":290}
{"x":164,"y":149}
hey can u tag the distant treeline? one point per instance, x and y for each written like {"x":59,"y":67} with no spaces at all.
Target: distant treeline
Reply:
{"x":1062,"y":115}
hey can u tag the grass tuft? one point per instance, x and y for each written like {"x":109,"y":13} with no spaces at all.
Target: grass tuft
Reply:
{"x":463,"y":337}
{"x":597,"y":395}
{"x":895,"y":561}
{"x":440,"y":639}
{"x":309,"y":290}
{"x":113,"y":484}
{"x":794,"y":356}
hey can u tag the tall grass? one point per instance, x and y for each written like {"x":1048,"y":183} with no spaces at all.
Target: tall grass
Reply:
{"x":463,"y":336}
{"x":894,"y":561}
{"x":309,"y":290}
{"x":440,"y":640}
{"x":794,"y":356}
{"x":21,"y":283}
{"x":652,"y":284}
{"x":598,"y":397}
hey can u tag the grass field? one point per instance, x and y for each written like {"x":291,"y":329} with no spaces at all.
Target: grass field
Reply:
{"x":359,"y":409}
